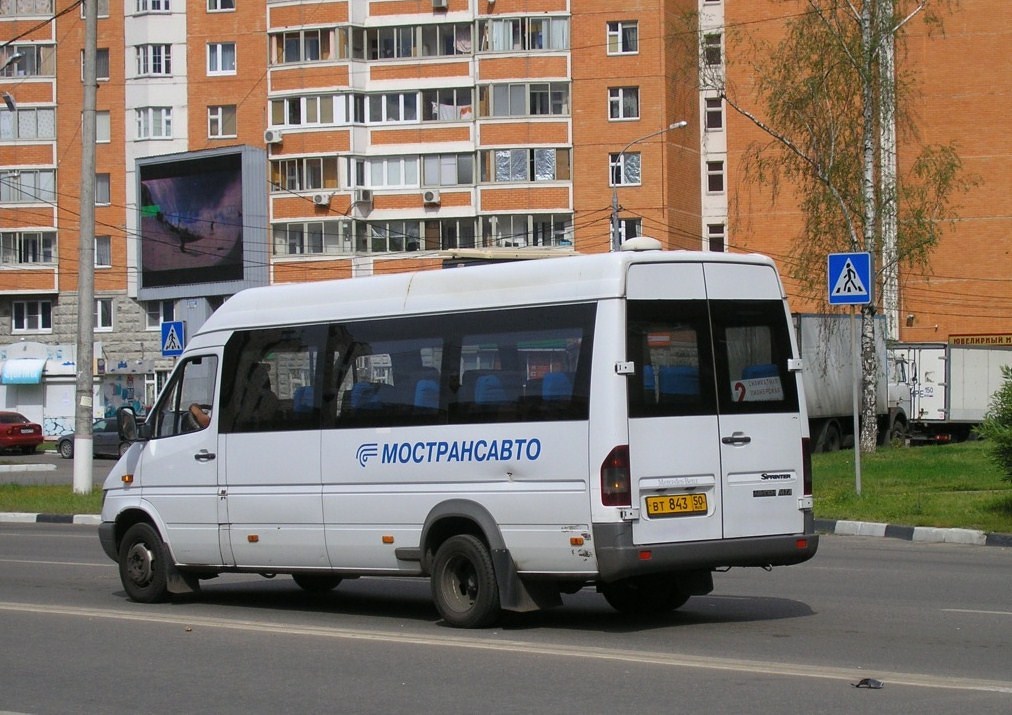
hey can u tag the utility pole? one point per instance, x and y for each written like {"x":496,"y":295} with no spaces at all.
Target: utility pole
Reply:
{"x":85,"y":391}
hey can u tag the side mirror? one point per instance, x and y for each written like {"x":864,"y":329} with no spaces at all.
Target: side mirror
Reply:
{"x":127,"y":421}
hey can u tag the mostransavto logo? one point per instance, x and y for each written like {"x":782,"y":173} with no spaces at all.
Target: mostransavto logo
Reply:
{"x":521,"y":449}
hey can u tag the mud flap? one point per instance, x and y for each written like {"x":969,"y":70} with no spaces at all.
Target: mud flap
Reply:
{"x":515,"y":594}
{"x":179,"y":583}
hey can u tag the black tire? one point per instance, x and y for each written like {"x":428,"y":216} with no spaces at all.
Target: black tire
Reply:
{"x":644,"y":596}
{"x":143,"y":564}
{"x":463,"y":582}
{"x":66,"y":448}
{"x":316,"y":582}
{"x":830,"y":439}
{"x":897,"y":434}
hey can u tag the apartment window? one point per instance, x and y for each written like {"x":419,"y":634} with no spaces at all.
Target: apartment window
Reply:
{"x":221,"y":121}
{"x":103,"y":251}
{"x":523,"y":230}
{"x":34,"y":61}
{"x":28,"y":123}
{"x":26,"y":186}
{"x":302,"y":111}
{"x":302,"y":46}
{"x":523,"y":99}
{"x":103,"y":191}
{"x":154,"y":60}
{"x":515,"y":34}
{"x":624,"y":169}
{"x":309,"y":238}
{"x":715,"y":177}
{"x":714,"y":114}
{"x":624,"y":103}
{"x":144,"y":6}
{"x":450,"y":233}
{"x":387,"y":236}
{"x":101,"y":63}
{"x":220,"y":5}
{"x":432,"y":40}
{"x":26,"y":8}
{"x":448,"y":170}
{"x":27,"y":247}
{"x":629,"y":228}
{"x":103,"y":132}
{"x":32,"y":316}
{"x":220,"y":58}
{"x":103,"y":314}
{"x":386,"y":172}
{"x":157,"y":312}
{"x":623,"y":37}
{"x":447,"y":105}
{"x":525,"y":165}
{"x":711,"y":50}
{"x":307,"y":174}
{"x":154,"y":122}
{"x":715,"y":236}
{"x":391,"y":108}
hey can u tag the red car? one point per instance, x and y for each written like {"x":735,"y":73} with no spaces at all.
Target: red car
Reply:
{"x":18,"y":432}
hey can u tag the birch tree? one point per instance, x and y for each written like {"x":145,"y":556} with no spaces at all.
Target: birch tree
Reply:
{"x":829,"y":100}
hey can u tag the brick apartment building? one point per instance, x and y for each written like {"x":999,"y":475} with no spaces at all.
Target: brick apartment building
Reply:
{"x":415,"y":134}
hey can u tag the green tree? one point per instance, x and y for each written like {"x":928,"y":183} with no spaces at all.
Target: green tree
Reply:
{"x":828,"y":96}
{"x":997,"y":425}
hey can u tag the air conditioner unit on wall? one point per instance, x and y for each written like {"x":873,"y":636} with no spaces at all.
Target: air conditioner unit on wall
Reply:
{"x":431,"y":197}
{"x":439,"y":4}
{"x":272,"y":136}
{"x":362,"y":196}
{"x":321,"y":199}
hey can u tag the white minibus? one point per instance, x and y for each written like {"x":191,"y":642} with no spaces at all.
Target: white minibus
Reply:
{"x":630,"y":421}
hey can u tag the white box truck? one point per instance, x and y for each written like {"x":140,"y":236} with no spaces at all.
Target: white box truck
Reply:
{"x":951,"y":384}
{"x":828,"y":355}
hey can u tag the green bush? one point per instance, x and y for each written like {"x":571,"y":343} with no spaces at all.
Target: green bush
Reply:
{"x":997,"y":425}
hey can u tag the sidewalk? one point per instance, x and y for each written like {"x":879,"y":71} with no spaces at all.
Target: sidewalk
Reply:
{"x":923,"y":534}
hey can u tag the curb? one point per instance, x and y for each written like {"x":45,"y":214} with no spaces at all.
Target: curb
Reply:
{"x":13,"y":517}
{"x":923,"y":534}
{"x":841,"y":527}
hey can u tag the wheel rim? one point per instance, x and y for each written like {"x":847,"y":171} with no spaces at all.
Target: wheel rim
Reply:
{"x":140,"y":564}
{"x":66,"y":450}
{"x":461,"y":584}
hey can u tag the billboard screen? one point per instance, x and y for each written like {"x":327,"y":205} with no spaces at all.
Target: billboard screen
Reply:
{"x":196,"y":223}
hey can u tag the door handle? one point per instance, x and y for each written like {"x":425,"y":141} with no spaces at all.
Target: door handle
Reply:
{"x":737,"y":438}
{"x":204,"y":456}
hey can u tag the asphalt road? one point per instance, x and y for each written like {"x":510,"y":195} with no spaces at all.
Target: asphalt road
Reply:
{"x":933,"y":622}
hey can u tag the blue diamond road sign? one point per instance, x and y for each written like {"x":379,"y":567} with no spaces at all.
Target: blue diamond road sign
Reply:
{"x":849,"y":278}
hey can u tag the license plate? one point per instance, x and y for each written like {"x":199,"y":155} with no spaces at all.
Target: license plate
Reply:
{"x":27,"y":430}
{"x":676,"y":505}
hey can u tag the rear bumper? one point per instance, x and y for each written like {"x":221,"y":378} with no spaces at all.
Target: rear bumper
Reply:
{"x":21,"y":440}
{"x":618,"y":557}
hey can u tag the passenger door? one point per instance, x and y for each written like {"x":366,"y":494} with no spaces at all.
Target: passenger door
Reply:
{"x":760,"y":421}
{"x":178,"y":467}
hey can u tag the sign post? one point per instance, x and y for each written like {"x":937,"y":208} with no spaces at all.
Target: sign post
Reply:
{"x":173,"y":338}
{"x":848,"y":278}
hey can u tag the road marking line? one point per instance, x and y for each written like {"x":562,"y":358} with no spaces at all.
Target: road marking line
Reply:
{"x":973,"y":610}
{"x":54,"y":563}
{"x":479,"y":643}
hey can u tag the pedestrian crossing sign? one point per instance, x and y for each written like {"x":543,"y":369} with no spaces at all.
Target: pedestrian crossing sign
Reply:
{"x":849,"y":278}
{"x":173,"y":338}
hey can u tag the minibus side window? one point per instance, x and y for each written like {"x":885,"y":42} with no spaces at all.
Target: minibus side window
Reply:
{"x":272,"y":380}
{"x":669,"y":343}
{"x":192,"y":384}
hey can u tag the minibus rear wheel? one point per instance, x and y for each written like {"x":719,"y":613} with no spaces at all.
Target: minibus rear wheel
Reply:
{"x":464,"y":587}
{"x":143,"y":564}
{"x":316,"y":582}
{"x":645,"y":595}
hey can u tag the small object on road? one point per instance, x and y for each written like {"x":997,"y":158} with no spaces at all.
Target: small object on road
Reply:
{"x":868,"y":683}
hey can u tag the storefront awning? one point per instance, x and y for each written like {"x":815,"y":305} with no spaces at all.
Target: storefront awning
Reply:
{"x":22,"y":371}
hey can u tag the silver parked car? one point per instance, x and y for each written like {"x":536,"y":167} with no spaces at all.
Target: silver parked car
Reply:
{"x":105,"y":440}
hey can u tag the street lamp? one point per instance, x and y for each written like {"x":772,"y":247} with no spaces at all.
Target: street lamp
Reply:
{"x":7,"y":97}
{"x":621,"y":163}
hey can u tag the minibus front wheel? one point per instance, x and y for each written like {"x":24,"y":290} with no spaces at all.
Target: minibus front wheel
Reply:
{"x":143,"y":564}
{"x":464,"y":586}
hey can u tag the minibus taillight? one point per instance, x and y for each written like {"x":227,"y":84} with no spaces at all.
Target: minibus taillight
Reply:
{"x":615,"y":483}
{"x":806,"y":455}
